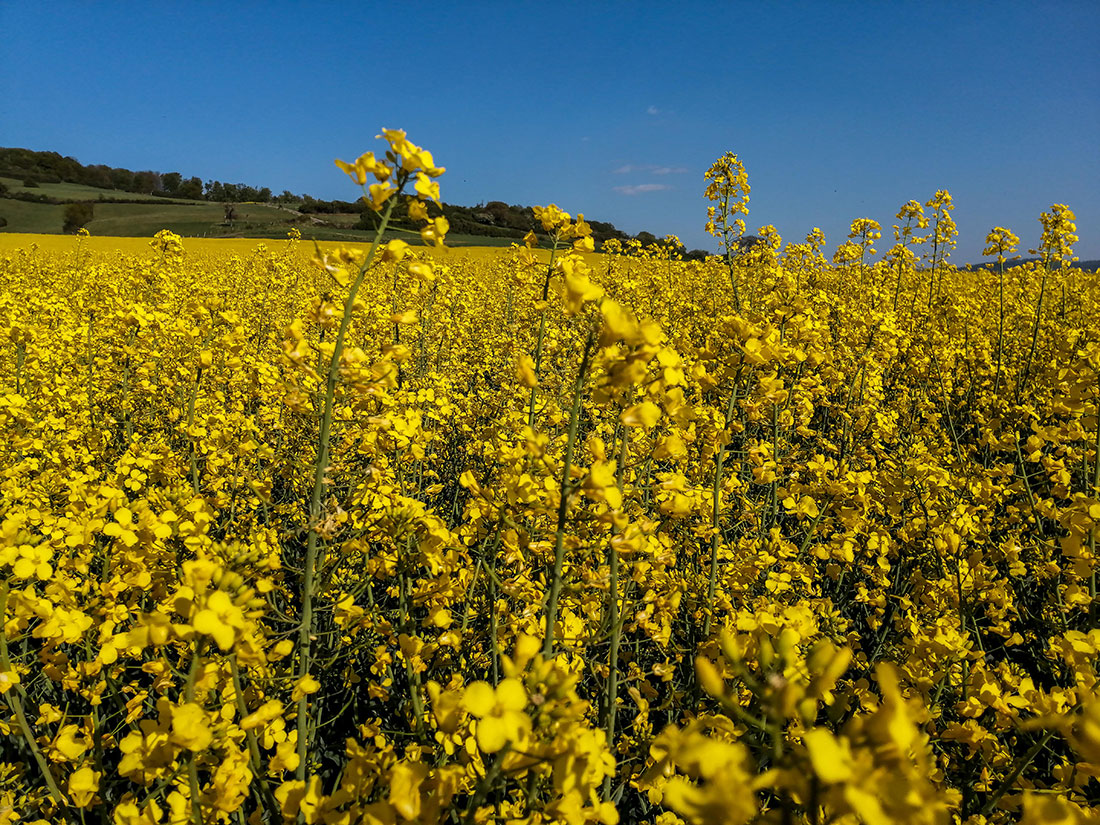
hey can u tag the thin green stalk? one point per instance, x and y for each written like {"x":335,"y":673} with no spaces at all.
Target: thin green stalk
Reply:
{"x":897,"y":287}
{"x":410,"y":671}
{"x":1017,"y":769}
{"x":486,"y":784}
{"x":127,"y":406}
{"x":1095,"y":491}
{"x":935,"y":253}
{"x":194,"y":462}
{"x":563,"y":504}
{"x":192,"y":768}
{"x":253,"y":746}
{"x":733,"y":277}
{"x":314,"y":555}
{"x":20,"y":360}
{"x":813,"y":526}
{"x":542,"y":333}
{"x":91,"y":370}
{"x":12,"y":697}
{"x":716,"y":503}
{"x":615,"y":625}
{"x":425,"y":329}
{"x":1000,"y":326}
{"x":1022,"y":384}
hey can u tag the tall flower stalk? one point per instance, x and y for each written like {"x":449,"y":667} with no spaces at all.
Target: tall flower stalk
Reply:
{"x":1055,"y":244}
{"x":563,"y":503}
{"x":405,"y":161}
{"x":561,"y":228}
{"x":913,"y":215}
{"x":1000,"y":242}
{"x":944,"y":236}
{"x":729,"y":191}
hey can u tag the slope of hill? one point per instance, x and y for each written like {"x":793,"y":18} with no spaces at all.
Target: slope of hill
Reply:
{"x":36,"y":186}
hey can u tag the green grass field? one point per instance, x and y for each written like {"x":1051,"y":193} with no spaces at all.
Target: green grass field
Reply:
{"x":189,"y":218}
{"x":199,"y":219}
{"x":22,"y":216}
{"x":77,"y":192}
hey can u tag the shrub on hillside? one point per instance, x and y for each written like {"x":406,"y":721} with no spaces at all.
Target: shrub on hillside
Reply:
{"x":77,"y":215}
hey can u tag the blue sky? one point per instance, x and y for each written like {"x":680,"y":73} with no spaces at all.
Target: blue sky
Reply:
{"x":838,"y":110}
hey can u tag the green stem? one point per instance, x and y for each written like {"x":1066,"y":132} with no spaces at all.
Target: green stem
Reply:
{"x":314,"y":555}
{"x":716,"y":503}
{"x":253,"y":746}
{"x":733,"y":275}
{"x":190,"y":423}
{"x":1017,"y":769}
{"x":1095,"y":491}
{"x":563,"y":504}
{"x":542,"y":333}
{"x":615,"y":626}
{"x":1000,"y":326}
{"x":1022,"y":385}
{"x":192,"y":768}
{"x":485,"y":785}
{"x":16,"y":706}
{"x":410,"y":671}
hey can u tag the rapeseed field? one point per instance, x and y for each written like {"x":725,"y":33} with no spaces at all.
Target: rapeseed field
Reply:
{"x":406,"y":534}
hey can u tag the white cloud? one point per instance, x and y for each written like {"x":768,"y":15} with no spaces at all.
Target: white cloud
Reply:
{"x":641,"y":188}
{"x":652,"y":110}
{"x":651,"y":168}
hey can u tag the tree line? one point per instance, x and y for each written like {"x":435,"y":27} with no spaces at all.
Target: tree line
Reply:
{"x":35,"y":168}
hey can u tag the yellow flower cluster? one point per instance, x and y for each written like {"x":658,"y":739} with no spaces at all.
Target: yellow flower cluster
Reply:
{"x":398,"y":534}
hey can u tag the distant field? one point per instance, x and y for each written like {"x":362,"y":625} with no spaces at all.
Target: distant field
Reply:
{"x":24,"y":216}
{"x":200,"y":220}
{"x":77,"y":191}
{"x":190,"y":218}
{"x":187,"y":220}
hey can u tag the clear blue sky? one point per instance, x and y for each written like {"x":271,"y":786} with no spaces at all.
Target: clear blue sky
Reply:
{"x":838,"y":110}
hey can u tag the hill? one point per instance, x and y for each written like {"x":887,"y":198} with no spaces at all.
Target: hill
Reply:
{"x":35,"y":188}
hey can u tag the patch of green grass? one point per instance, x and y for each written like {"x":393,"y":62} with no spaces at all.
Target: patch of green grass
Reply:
{"x":199,"y":219}
{"x":78,"y":192}
{"x":39,"y":218}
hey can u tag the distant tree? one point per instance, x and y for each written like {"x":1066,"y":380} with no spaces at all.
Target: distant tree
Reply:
{"x":66,"y":169}
{"x":3,"y":189}
{"x":3,"y":221}
{"x":98,"y":176}
{"x":146,"y":183}
{"x":191,"y":188}
{"x":170,"y":182}
{"x":646,"y":238}
{"x":264,"y":195}
{"x":122,"y":179}
{"x":30,"y":183}
{"x":230,"y":213}
{"x":77,"y":215}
